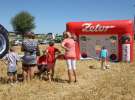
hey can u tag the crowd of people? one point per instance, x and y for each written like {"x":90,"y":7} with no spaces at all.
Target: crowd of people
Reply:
{"x":33,"y":62}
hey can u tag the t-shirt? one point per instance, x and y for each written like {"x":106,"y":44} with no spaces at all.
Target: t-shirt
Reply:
{"x":70,"y":44}
{"x":103,"y":53}
{"x":12,"y":59}
{"x":51,"y":50}
{"x":30,"y":46}
{"x":30,"y":50}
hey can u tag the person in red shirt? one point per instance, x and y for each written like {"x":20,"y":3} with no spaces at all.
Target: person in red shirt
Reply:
{"x":51,"y":58}
{"x":42,"y":64}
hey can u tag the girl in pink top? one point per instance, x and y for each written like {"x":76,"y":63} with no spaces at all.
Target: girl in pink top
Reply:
{"x":69,"y":45}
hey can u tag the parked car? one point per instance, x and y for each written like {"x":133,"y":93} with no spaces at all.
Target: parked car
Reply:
{"x":44,"y":42}
{"x":58,"y":38}
{"x":4,"y":42}
{"x":17,"y":42}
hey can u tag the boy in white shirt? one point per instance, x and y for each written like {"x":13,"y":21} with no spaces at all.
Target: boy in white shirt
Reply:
{"x":12,"y":59}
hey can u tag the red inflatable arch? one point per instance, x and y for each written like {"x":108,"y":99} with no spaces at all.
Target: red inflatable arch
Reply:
{"x":115,"y":35}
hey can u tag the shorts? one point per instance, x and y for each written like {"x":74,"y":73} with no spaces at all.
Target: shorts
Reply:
{"x":11,"y":73}
{"x":29,"y":59}
{"x":27,"y":66}
{"x":71,"y":63}
{"x":103,"y":58}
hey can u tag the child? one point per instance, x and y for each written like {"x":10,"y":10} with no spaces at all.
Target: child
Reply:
{"x":51,"y":52}
{"x":103,"y":57}
{"x":42,"y":64}
{"x":12,"y":59}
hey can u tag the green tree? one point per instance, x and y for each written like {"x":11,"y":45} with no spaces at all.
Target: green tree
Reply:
{"x":23,"y":22}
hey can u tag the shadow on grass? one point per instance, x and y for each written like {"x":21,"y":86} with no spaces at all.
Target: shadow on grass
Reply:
{"x":3,"y":80}
{"x":58,"y":80}
{"x":91,"y":67}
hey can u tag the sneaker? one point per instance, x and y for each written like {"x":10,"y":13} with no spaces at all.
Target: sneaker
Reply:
{"x":107,"y":66}
{"x":12,"y":84}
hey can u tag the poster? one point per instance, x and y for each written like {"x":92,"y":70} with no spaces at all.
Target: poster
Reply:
{"x":92,"y":44}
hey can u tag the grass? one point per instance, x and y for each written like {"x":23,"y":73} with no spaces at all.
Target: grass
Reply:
{"x":117,"y":83}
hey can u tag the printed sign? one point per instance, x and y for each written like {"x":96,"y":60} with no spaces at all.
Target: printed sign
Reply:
{"x":92,"y":44}
{"x":89,"y":27}
{"x":126,"y":52}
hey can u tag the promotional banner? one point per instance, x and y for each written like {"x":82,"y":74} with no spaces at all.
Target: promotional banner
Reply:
{"x":126,"y":52}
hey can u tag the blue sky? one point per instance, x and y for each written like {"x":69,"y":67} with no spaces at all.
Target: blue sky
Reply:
{"x":52,"y":15}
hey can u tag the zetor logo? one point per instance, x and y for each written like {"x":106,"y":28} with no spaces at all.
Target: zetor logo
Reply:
{"x":88,"y":27}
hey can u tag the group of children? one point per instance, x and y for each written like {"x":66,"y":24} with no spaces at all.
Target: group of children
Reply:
{"x":45,"y":62}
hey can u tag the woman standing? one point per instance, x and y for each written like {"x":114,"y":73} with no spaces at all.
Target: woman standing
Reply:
{"x":70,"y":54}
{"x":30,"y":48}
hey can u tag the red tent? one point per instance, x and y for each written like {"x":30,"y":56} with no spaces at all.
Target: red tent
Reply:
{"x":116,"y":35}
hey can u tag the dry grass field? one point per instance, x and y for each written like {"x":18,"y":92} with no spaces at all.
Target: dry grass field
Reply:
{"x":116,"y":83}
